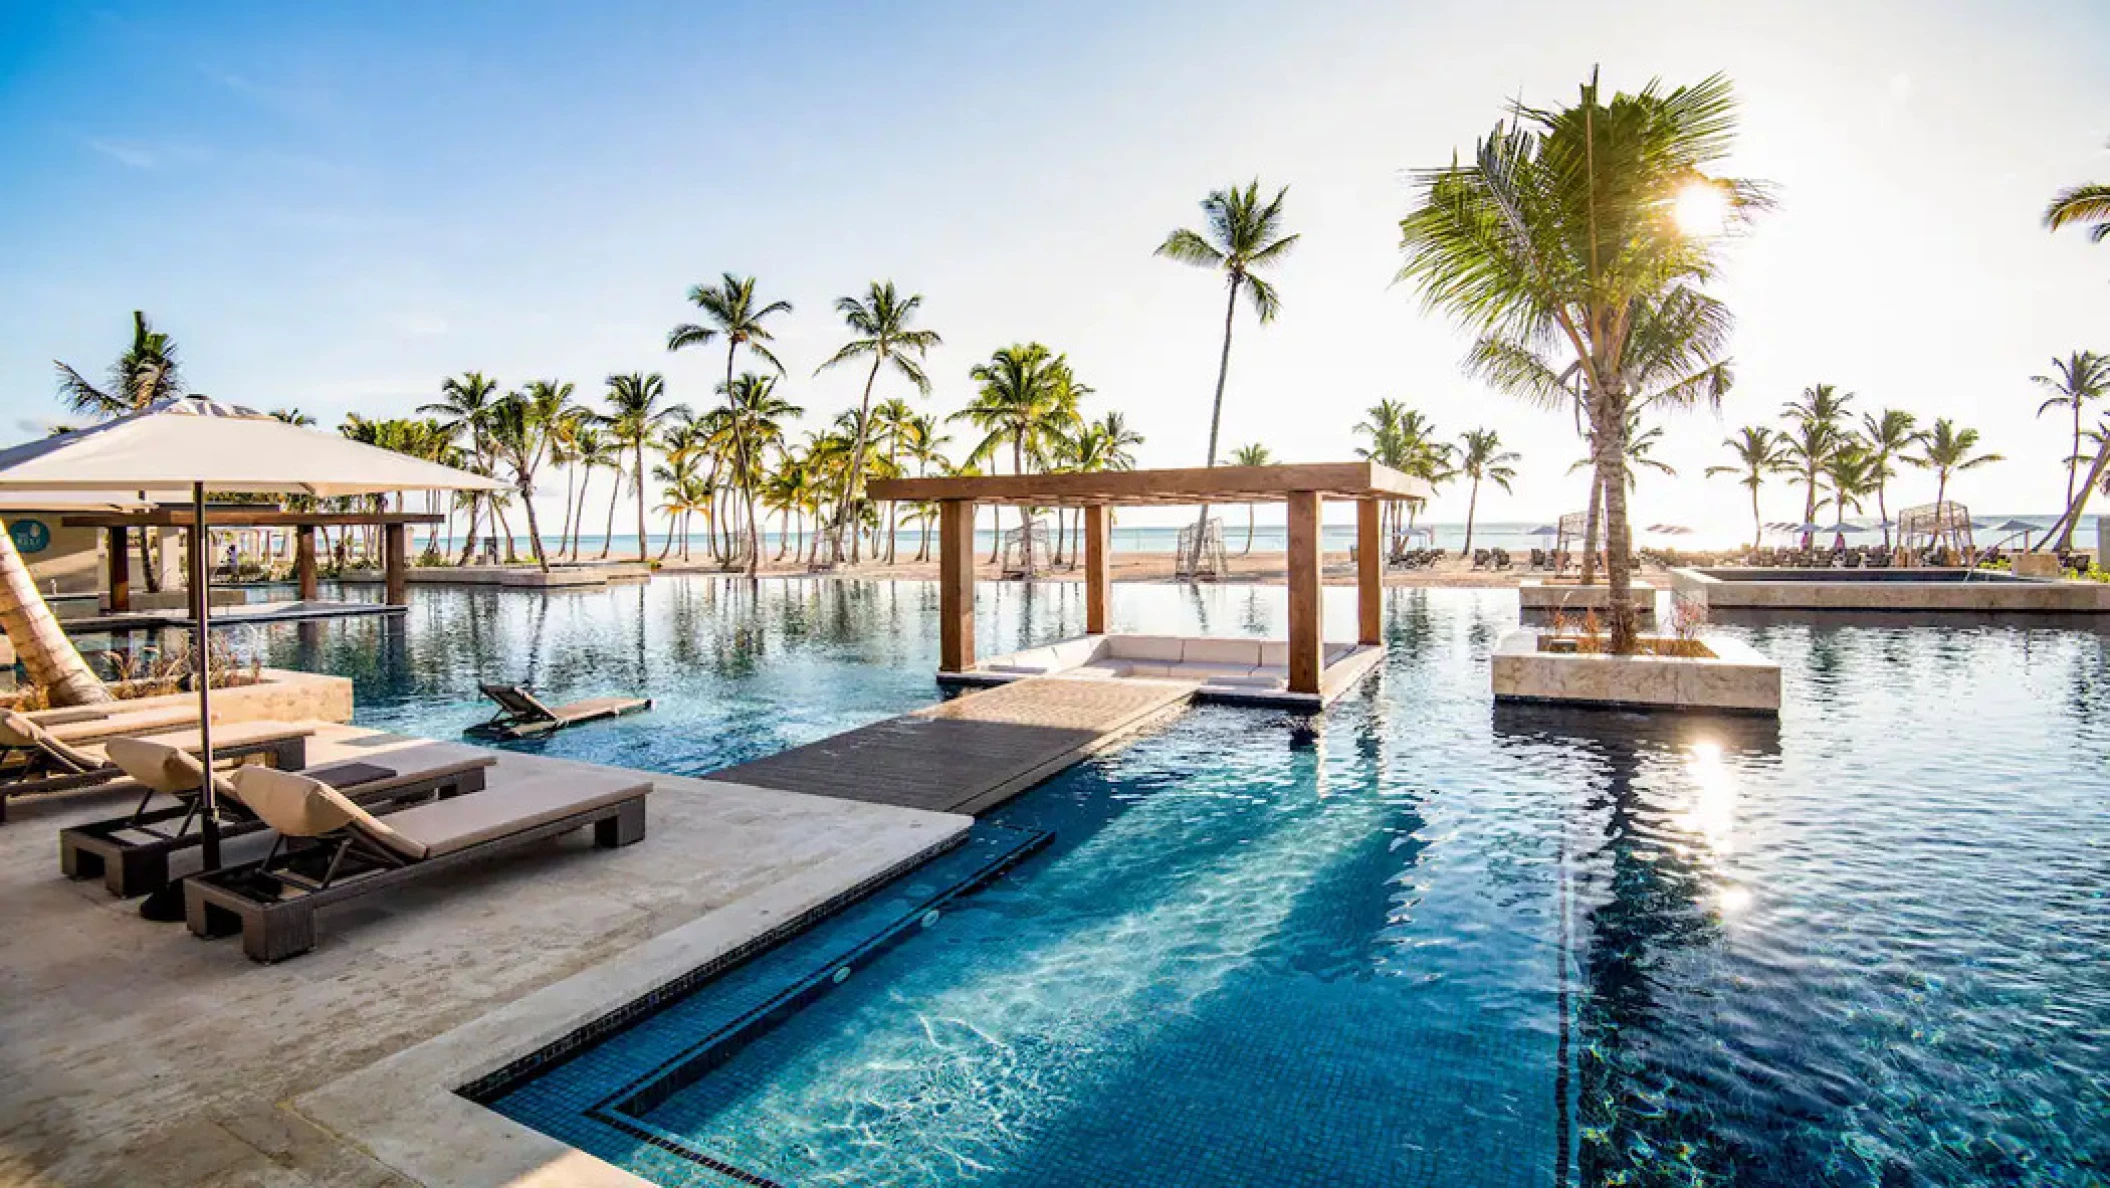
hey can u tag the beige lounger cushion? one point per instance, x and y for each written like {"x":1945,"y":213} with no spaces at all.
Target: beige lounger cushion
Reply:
{"x":298,"y":806}
{"x":514,"y":804}
{"x":168,"y":770}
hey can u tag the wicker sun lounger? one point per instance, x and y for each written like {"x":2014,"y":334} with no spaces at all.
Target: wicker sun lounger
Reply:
{"x":132,"y":853}
{"x":521,"y":714}
{"x":38,"y":761}
{"x":331,"y":851}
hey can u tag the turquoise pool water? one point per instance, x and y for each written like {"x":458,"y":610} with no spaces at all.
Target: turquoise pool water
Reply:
{"x":1418,"y":940}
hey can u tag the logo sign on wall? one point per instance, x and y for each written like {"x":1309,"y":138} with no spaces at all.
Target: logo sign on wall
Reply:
{"x":31,"y":536}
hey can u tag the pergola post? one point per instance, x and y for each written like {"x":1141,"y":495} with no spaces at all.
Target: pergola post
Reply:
{"x":1369,"y":572}
{"x":304,"y":560}
{"x":955,"y":585}
{"x":120,"y":570}
{"x":395,"y":552}
{"x":1098,"y":566}
{"x":1306,"y":651}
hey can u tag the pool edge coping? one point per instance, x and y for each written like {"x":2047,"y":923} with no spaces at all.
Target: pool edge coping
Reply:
{"x":404,"y":1110}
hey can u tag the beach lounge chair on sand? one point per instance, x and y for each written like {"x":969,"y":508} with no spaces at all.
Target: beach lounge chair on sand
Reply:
{"x":132,"y":853}
{"x":36,"y":760}
{"x":331,"y":850}
{"x":521,"y":714}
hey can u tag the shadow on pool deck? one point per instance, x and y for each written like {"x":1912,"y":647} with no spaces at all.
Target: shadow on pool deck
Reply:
{"x":134,"y":1052}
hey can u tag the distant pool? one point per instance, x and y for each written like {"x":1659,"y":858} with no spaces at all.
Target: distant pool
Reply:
{"x":1418,"y":940}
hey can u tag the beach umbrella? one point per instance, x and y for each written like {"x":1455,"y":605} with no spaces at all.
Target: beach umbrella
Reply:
{"x":1544,"y":530}
{"x":181,"y":446}
{"x":2021,"y":528}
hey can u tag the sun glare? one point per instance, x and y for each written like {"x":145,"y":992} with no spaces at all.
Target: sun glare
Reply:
{"x":1701,"y":209}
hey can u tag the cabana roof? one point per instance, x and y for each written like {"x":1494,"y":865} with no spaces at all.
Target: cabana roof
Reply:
{"x":233,"y":515}
{"x":1130,"y":488}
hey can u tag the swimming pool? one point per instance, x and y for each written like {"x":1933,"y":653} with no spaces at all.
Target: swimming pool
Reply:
{"x":1416,"y":940}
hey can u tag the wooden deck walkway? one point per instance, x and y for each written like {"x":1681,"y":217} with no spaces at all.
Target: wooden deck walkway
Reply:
{"x":972,"y":753}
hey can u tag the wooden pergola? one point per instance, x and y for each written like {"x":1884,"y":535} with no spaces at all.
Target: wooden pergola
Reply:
{"x":1303,"y":488}
{"x":395,"y":540}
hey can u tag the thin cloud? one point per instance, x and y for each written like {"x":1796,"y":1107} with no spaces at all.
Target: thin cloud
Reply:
{"x":127,"y":153}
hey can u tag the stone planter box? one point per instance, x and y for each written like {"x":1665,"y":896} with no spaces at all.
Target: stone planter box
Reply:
{"x":280,"y":695}
{"x":1540,"y":596}
{"x":1736,"y":679}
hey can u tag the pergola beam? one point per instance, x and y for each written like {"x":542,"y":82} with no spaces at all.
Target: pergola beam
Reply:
{"x":1306,"y":626}
{"x":956,"y":586}
{"x":242,"y":517}
{"x":1098,"y":566}
{"x":1220,"y":484}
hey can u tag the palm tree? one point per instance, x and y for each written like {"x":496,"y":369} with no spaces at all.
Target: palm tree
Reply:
{"x":1255,"y":454}
{"x":146,"y":372}
{"x":1851,"y":477}
{"x":892,"y":422}
{"x":464,"y":409}
{"x":1885,"y":438}
{"x":592,"y":449}
{"x":1946,"y":450}
{"x":880,"y":324}
{"x":1403,"y":439}
{"x":758,"y":419}
{"x":734,"y":314}
{"x":1481,"y":456}
{"x":47,"y":651}
{"x":1556,"y":232}
{"x":2083,"y":204}
{"x":2077,"y":379}
{"x":1817,"y":416}
{"x":1242,"y":236}
{"x":635,"y":418}
{"x":1759,"y":452}
{"x":519,"y":428}
{"x":1018,"y":403}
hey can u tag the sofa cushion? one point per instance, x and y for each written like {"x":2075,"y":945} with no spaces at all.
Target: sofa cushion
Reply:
{"x":1161,"y":649}
{"x":508,"y":807}
{"x":1243,"y":652}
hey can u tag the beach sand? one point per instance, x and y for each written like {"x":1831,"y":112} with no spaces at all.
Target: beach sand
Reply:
{"x":1258,"y":567}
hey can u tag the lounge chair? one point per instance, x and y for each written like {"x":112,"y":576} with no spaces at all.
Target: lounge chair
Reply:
{"x":522,"y":715}
{"x":39,"y":761}
{"x":330,"y":850}
{"x":132,"y":853}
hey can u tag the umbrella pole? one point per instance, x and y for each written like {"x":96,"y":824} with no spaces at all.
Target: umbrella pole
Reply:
{"x":201,"y":661}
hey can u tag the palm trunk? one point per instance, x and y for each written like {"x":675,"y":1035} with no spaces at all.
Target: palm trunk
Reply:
{"x":2072,"y":519}
{"x":638,"y":480}
{"x":578,"y":519}
{"x":1758,"y":528}
{"x":1248,"y":531}
{"x":747,"y":474}
{"x":1472,"y":504}
{"x":46,"y":652}
{"x":669,"y":546}
{"x":147,"y":568}
{"x":469,"y":539}
{"x":1591,"y":522}
{"x":857,"y":459}
{"x":571,"y":479}
{"x":534,"y":530}
{"x":1882,"y":510}
{"x":923,"y":548}
{"x":614,"y":497}
{"x":1611,"y":466}
{"x":505,"y":526}
{"x":2073,"y":457}
{"x":1216,"y":411}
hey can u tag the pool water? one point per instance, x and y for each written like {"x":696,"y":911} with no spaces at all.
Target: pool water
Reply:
{"x":1416,"y":940}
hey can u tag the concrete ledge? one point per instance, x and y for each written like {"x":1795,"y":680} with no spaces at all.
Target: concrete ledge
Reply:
{"x":282,"y":695}
{"x":1932,"y":590}
{"x":1231,"y":670}
{"x":1736,"y":679}
{"x":527,"y":577}
{"x":1540,"y":594}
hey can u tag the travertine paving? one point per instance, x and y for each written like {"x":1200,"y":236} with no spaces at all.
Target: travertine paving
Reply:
{"x":132,"y":1053}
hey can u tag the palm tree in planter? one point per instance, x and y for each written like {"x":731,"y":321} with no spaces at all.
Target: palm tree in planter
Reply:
{"x":636,"y":415}
{"x":1885,"y":437}
{"x":736,"y":315}
{"x":1481,"y":457}
{"x":1562,"y":226}
{"x":1946,"y":450}
{"x":1759,"y":452}
{"x":879,"y":323}
{"x":2075,"y":380}
{"x":1242,"y":236}
{"x":1255,"y":454}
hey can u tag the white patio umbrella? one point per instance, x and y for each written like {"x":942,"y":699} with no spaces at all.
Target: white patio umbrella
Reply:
{"x":183,"y":445}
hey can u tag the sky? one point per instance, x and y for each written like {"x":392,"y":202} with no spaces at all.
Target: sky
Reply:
{"x":335,"y":206}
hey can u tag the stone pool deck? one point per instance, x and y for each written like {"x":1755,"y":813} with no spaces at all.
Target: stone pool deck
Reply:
{"x":133,"y":1053}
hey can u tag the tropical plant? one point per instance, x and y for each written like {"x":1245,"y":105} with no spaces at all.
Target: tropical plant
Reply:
{"x":519,"y":430}
{"x":144,"y":373}
{"x":635,"y":417}
{"x":2080,"y":377}
{"x":464,"y":410}
{"x":1481,"y":458}
{"x":1817,"y":430}
{"x":1850,"y":474}
{"x":880,"y":325}
{"x":1255,"y":454}
{"x":1946,"y":450}
{"x":591,"y":449}
{"x":1885,"y":437}
{"x":1405,"y":440}
{"x":1561,"y":226}
{"x":1759,"y":452}
{"x":1019,"y":398}
{"x":736,"y":315}
{"x":2087,"y":204}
